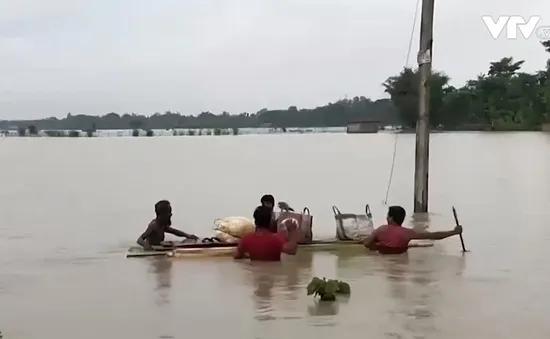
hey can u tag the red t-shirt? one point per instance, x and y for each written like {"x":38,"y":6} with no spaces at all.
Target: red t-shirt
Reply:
{"x":262,"y":246}
{"x":393,"y":239}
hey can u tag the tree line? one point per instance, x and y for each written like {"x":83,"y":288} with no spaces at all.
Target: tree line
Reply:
{"x":504,"y":98}
{"x":334,"y":114}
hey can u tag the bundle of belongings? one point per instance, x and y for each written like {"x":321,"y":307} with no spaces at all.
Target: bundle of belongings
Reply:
{"x":353,"y":226}
{"x":232,"y":229}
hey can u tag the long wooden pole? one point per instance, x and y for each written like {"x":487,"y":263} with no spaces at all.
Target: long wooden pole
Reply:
{"x":458,"y":224}
{"x":421,"y":169}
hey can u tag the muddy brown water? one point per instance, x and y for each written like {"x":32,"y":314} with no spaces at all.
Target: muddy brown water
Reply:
{"x":71,"y":207}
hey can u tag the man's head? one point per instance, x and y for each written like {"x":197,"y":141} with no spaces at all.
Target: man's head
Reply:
{"x":396,"y":215}
{"x":163,"y":210}
{"x":262,"y":217}
{"x":268,"y":201}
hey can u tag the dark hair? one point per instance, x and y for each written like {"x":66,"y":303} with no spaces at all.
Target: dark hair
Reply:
{"x":162,"y":207}
{"x":267,"y":198}
{"x":397,"y":213}
{"x":262,"y":217}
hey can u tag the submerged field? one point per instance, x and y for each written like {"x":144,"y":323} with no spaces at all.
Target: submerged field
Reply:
{"x":71,"y":208}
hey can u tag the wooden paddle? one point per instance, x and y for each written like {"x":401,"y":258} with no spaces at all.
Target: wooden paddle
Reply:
{"x":458,"y":224}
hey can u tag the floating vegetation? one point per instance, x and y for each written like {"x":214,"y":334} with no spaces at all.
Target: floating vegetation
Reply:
{"x":327,"y":290}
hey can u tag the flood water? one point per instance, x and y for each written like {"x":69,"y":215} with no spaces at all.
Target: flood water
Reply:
{"x":70,"y":208}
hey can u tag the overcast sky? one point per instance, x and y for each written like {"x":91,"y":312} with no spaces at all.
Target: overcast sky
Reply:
{"x":98,"y":56}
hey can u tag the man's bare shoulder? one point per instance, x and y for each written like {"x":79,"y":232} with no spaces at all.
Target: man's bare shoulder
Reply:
{"x":153,"y":224}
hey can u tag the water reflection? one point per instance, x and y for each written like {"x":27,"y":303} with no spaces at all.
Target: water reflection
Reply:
{"x":396,"y":269}
{"x":295,"y":277}
{"x":414,"y":281}
{"x":411,"y":289}
{"x":162,"y":270}
{"x":353,"y":262}
{"x":324,"y":308}
{"x":278,"y":282}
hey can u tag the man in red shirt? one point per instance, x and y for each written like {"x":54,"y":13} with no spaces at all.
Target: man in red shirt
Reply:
{"x":393,"y":238}
{"x":264,"y":244}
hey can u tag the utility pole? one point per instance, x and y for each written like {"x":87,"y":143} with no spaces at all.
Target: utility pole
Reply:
{"x":422,"y":162}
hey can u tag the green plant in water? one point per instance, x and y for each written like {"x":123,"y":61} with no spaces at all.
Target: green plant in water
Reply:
{"x":327,"y":289}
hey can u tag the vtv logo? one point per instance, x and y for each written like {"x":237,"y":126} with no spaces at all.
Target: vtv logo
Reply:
{"x":512,"y":24}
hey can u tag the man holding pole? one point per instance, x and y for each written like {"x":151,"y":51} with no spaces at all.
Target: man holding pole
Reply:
{"x":393,"y":238}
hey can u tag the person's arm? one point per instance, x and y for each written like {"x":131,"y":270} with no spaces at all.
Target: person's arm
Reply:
{"x":435,"y":235}
{"x":290,"y":247}
{"x":142,"y":240}
{"x":370,"y":241}
{"x":240,"y":251}
{"x":179,"y":233}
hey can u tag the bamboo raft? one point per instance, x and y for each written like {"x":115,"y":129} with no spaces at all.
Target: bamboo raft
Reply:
{"x":187,"y":250}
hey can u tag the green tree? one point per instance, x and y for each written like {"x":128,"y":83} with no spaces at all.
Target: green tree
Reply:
{"x":32,"y":130}
{"x":136,"y":124}
{"x":339,"y":113}
{"x":404,"y":94}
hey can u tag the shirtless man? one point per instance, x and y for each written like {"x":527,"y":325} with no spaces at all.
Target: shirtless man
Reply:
{"x":393,"y":238}
{"x":154,"y":234}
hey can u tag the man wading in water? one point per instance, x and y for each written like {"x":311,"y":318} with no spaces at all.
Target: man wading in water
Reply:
{"x":393,"y":238}
{"x":265,"y":245}
{"x":154,"y":234}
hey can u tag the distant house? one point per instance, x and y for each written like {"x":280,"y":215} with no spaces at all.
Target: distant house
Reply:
{"x":365,"y":126}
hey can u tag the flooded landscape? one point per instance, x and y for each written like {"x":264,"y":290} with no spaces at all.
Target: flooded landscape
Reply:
{"x":71,"y":208}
